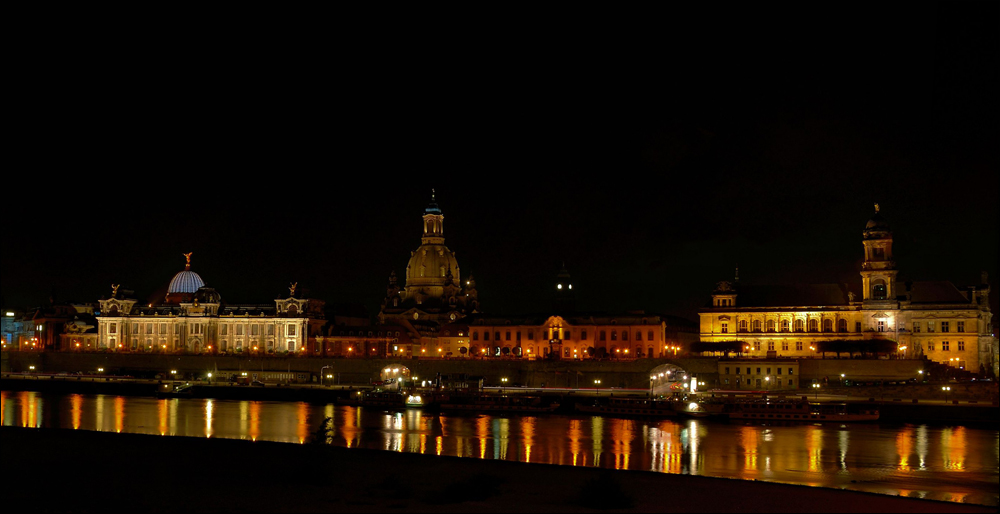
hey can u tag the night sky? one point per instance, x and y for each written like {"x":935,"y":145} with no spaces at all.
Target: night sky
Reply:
{"x":652,"y":162}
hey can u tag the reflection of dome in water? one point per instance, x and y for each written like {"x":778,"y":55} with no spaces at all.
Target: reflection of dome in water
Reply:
{"x":185,"y":282}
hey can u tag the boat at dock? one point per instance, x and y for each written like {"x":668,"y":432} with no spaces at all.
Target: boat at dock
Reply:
{"x":798,"y":412}
{"x":630,"y":407}
{"x":497,"y":404}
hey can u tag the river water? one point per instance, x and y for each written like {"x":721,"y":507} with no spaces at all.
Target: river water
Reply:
{"x":957,"y":464}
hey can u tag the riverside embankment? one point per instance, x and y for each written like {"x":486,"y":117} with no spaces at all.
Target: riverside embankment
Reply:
{"x":176,"y":474}
{"x":537,"y":374}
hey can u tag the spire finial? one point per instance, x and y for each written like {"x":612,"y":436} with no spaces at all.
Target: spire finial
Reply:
{"x":188,"y":257}
{"x":737,"y":272}
{"x":433,"y":195}
{"x":877,"y":208}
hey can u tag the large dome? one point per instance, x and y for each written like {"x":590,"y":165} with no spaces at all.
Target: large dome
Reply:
{"x":429,"y":266}
{"x":185,"y":282}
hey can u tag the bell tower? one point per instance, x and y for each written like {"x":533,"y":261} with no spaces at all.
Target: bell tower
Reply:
{"x":433,"y":222}
{"x":878,"y":273}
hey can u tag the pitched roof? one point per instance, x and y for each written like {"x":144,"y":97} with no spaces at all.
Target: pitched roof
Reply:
{"x":811,"y":295}
{"x":935,"y":292}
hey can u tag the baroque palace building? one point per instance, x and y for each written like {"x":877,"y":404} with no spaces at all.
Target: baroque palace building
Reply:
{"x":192,"y":318}
{"x":936,"y":320}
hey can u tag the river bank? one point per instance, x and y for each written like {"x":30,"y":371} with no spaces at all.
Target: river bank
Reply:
{"x":99,"y":472}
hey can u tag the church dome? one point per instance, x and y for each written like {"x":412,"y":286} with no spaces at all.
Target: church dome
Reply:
{"x":430,"y":265}
{"x":185,"y":282}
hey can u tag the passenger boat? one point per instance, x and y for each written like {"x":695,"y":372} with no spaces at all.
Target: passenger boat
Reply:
{"x":642,"y":408}
{"x":371,"y":399}
{"x":494,"y":404}
{"x":801,"y":412}
{"x":170,"y":390}
{"x":696,"y":409}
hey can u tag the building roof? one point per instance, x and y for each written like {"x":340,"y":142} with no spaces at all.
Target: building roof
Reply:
{"x":934,"y":292}
{"x":185,"y":282}
{"x":810,"y":295}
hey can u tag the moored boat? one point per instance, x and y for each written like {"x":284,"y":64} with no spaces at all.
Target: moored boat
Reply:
{"x":801,"y":412}
{"x":642,"y":408}
{"x":494,"y":404}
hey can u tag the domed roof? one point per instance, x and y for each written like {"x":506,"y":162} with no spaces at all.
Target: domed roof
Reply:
{"x":878,"y":223}
{"x":186,"y":282}
{"x":430,"y":265}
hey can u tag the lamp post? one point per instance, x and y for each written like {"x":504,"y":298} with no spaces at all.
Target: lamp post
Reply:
{"x":597,"y":384}
{"x":816,"y":388}
{"x":322,"y":374}
{"x":503,"y":386}
{"x":651,"y":379}
{"x":946,"y":390}
{"x":842,"y":379}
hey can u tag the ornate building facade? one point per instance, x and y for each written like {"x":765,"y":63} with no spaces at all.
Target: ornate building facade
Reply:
{"x":193,"y":319}
{"x":938,"y":320}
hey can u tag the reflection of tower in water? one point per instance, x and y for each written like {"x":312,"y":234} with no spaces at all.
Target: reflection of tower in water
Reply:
{"x":528,"y":430}
{"x":597,"y":436}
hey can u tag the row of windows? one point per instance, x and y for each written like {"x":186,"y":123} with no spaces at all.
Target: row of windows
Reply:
{"x":785,"y":346}
{"x":945,"y":346}
{"x":932,"y":327}
{"x":760,"y":371}
{"x":738,"y":381}
{"x":199,"y":329}
{"x":787,"y":326}
{"x":561,"y":334}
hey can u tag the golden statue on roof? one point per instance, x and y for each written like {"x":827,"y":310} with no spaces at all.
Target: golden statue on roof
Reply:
{"x":292,"y":288}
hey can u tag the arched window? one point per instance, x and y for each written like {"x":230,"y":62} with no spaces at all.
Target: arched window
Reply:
{"x":828,"y":325}
{"x":743,"y":325}
{"x":842,"y":325}
{"x":756,"y":325}
{"x":624,"y":336}
{"x":800,"y":326}
{"x":770,"y":325}
{"x":814,"y":325}
{"x":785,"y":325}
{"x":879,"y":290}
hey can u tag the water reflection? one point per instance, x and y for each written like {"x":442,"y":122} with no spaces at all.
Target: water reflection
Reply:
{"x":954,"y":464}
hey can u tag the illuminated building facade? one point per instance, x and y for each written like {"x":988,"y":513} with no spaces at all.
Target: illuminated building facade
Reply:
{"x":938,"y":320}
{"x":571,"y":337}
{"x":193,"y":319}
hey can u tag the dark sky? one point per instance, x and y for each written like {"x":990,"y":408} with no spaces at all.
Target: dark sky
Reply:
{"x":651,"y":159}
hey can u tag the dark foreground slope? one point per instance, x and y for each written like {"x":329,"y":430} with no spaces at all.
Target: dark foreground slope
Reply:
{"x":65,"y":471}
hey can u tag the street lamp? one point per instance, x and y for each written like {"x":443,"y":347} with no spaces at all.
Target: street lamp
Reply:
{"x":842,"y":378}
{"x":946,"y":390}
{"x":503,"y":386}
{"x":816,"y":388}
{"x":321,"y":374}
{"x":597,"y":384}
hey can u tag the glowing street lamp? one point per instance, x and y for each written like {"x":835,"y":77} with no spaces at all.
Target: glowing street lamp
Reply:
{"x":503,"y":387}
{"x":597,"y":384}
{"x":946,"y":390}
{"x":816,"y":388}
